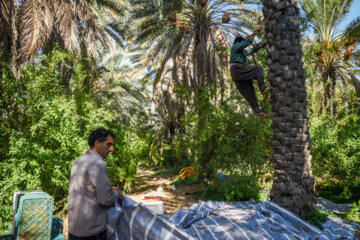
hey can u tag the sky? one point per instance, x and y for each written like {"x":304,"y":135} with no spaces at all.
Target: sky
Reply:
{"x":354,"y":12}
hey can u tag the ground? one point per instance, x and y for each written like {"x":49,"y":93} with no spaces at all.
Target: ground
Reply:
{"x":157,"y":184}
{"x":152,"y":183}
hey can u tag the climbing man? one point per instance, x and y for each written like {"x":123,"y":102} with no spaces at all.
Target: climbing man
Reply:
{"x":243,"y":75}
{"x":90,"y":191}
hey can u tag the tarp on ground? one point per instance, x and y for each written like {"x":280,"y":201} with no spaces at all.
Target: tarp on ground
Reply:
{"x":131,"y":221}
{"x":256,"y":220}
{"x":221,"y":220}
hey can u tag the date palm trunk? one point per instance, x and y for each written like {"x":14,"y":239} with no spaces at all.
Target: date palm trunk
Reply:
{"x":14,"y":35}
{"x":293,"y":183}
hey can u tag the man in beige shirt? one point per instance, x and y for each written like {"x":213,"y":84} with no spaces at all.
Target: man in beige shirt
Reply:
{"x":90,"y":191}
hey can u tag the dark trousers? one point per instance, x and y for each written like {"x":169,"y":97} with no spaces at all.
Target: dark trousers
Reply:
{"x":100,"y":236}
{"x":243,"y":77}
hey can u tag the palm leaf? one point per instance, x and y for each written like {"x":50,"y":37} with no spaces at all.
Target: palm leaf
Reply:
{"x":4,"y":19}
{"x":325,"y":15}
{"x":87,"y":18}
{"x":352,"y":33}
{"x":66,"y":24}
{"x":35,"y":28}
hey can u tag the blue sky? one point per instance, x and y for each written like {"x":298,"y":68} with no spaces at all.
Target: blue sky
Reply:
{"x":354,"y":12}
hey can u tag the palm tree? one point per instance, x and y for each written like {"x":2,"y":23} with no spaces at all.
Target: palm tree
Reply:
{"x":31,"y":25}
{"x":184,"y":42}
{"x":120,"y":88}
{"x":293,"y":183}
{"x":189,"y":30}
{"x":8,"y":33}
{"x":333,"y":49}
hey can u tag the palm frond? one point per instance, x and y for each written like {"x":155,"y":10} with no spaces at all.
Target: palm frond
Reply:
{"x":352,"y":33}
{"x":88,"y":22}
{"x":4,"y":19}
{"x":35,"y":27}
{"x":325,"y":15}
{"x":186,"y":50}
{"x":66,"y":24}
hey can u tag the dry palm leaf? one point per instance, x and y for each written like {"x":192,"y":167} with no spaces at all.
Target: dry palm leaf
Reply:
{"x":173,"y":18}
{"x":348,"y":51}
{"x":203,"y":3}
{"x":88,"y":18}
{"x":4,"y":18}
{"x":36,"y":25}
{"x":226,"y":17}
{"x":66,"y":25}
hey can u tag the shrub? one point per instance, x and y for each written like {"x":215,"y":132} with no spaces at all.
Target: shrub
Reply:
{"x":336,"y":155}
{"x":230,"y":141}
{"x":233,"y":188}
{"x":48,"y":129}
{"x":354,"y":213}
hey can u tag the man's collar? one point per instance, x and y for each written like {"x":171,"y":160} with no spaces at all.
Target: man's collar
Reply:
{"x":90,"y":151}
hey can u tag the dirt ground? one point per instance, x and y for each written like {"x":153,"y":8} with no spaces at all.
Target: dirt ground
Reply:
{"x":152,"y":184}
{"x":159,"y":185}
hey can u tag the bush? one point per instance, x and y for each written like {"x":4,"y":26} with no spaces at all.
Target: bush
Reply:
{"x":122,"y":163}
{"x":228,"y":141}
{"x":234,"y":188}
{"x":354,"y":213}
{"x":318,"y":217}
{"x":48,"y":130}
{"x":223,"y":138}
{"x":336,"y":154}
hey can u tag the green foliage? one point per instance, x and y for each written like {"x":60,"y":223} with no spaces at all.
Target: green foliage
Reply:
{"x":234,"y":188}
{"x":226,"y":140}
{"x":47,"y":127}
{"x":336,"y":154}
{"x":318,"y":217}
{"x":331,"y":55}
{"x":186,"y":182}
{"x":222,"y":138}
{"x":122,"y":163}
{"x":354,"y":213}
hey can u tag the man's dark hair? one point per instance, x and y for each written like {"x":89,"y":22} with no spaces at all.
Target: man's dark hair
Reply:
{"x":100,"y":135}
{"x":238,"y":39}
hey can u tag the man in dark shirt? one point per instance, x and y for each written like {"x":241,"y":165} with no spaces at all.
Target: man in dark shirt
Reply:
{"x":90,"y":191}
{"x":243,"y":75}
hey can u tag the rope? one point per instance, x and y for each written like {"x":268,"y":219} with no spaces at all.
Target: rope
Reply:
{"x":277,"y":10}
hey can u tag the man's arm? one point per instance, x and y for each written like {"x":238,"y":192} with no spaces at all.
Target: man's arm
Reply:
{"x":100,"y":180}
{"x":247,"y":42}
{"x":240,"y":46}
{"x":251,"y":50}
{"x":119,"y":192}
{"x":254,"y":49}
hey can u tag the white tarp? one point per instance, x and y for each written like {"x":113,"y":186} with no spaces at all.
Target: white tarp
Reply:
{"x":222,"y":220}
{"x":131,"y":221}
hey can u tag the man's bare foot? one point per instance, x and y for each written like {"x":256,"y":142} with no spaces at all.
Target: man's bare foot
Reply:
{"x":262,"y":115}
{"x":266,"y":90}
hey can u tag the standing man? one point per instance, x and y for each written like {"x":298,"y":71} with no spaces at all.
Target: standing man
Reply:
{"x":243,"y":75}
{"x":90,"y":191}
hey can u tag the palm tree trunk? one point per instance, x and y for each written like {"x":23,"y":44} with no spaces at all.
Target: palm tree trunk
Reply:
{"x":293,"y":183}
{"x":14,"y":35}
{"x":329,"y":95}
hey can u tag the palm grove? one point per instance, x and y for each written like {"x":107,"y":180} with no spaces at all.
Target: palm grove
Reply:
{"x":157,"y":73}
